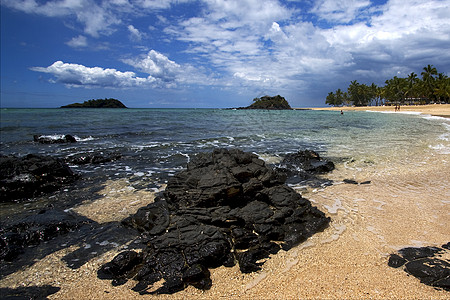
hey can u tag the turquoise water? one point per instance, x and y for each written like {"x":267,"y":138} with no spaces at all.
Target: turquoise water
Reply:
{"x":161,"y":141}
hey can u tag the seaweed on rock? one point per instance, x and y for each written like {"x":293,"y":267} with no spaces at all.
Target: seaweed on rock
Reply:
{"x":226,"y":207}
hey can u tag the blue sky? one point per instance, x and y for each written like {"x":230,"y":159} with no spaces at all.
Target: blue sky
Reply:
{"x":212,"y":53}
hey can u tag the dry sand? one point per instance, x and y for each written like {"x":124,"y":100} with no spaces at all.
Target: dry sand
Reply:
{"x":403,"y":206}
{"x":441,"y":110}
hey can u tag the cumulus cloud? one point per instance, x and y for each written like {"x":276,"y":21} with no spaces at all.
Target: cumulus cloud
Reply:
{"x":78,"y":42}
{"x":158,"y":4}
{"x":135,"y":34}
{"x":75,"y":75}
{"x":159,"y":66}
{"x":97,"y":18}
{"x":162,"y":73}
{"x":340,"y":11}
{"x":268,"y":45}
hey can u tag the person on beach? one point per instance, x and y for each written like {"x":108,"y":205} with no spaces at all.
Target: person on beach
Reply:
{"x":342,"y":112}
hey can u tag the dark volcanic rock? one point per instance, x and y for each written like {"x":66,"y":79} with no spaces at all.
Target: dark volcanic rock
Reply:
{"x":425,"y":263}
{"x":92,"y":158}
{"x":29,"y":292}
{"x":309,"y":161}
{"x":45,"y":139}
{"x":304,"y":166}
{"x":226,"y":207}
{"x":35,"y":229}
{"x":32,"y":175}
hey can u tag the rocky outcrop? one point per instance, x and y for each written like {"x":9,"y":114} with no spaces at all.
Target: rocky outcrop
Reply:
{"x":267,"y":102}
{"x":28,"y":292}
{"x":33,"y":230}
{"x":426,"y":264}
{"x":227,"y":207}
{"x":304,"y":165}
{"x":308,"y":161}
{"x":54,"y":139}
{"x":32,"y":175}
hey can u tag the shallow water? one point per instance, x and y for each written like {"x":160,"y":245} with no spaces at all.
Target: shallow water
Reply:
{"x":156,"y":143}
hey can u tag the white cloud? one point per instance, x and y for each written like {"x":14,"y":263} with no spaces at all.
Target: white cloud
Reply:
{"x":265,"y":45}
{"x":340,"y":11}
{"x":78,"y":42}
{"x":159,"y":66}
{"x":135,"y":34}
{"x":75,"y":75}
{"x":156,"y":64}
{"x":155,"y":4}
{"x":268,"y":45}
{"x":97,"y":18}
{"x":163,"y":73}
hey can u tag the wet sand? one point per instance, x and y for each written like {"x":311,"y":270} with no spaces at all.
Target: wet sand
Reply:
{"x":406,"y":204}
{"x":441,"y":110}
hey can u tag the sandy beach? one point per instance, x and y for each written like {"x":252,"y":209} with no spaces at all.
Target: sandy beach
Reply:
{"x":406,"y":204}
{"x":441,"y":110}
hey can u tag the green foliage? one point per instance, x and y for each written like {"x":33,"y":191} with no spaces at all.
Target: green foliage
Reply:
{"x":97,"y":103}
{"x":267,"y":102}
{"x":432,"y":87}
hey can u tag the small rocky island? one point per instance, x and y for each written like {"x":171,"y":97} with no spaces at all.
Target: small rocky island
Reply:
{"x":266,"y":102}
{"x":97,"y":103}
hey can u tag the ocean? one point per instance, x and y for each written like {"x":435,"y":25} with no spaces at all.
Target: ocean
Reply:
{"x":154,"y":144}
{"x":404,"y":155}
{"x":160,"y":141}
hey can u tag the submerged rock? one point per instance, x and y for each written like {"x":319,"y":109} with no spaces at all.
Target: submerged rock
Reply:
{"x":32,"y":175}
{"x":28,"y":292}
{"x":304,"y":166}
{"x":54,"y":139}
{"x":92,"y":158}
{"x":309,"y":161}
{"x":35,"y":229}
{"x":227,"y":207}
{"x":425,"y":263}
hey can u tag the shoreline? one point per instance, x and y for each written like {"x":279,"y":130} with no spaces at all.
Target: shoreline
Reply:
{"x":401,"y":207}
{"x":347,"y":260}
{"x":438,"y":110}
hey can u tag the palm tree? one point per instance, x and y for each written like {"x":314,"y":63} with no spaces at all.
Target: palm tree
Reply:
{"x":428,"y":81}
{"x":442,"y":87}
{"x":412,"y":87}
{"x":339,"y":97}
{"x":331,"y":99}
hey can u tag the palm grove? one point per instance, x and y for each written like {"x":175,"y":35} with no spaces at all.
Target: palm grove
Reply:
{"x":433,"y":87}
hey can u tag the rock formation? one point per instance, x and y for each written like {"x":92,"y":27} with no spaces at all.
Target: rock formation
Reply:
{"x":92,"y":158}
{"x":304,"y":165}
{"x":32,"y":175}
{"x":47,"y":139}
{"x":425,"y":263}
{"x":33,"y":230}
{"x":227,"y":207}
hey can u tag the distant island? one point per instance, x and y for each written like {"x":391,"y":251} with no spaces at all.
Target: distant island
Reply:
{"x":266,"y":102}
{"x":97,"y":103}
